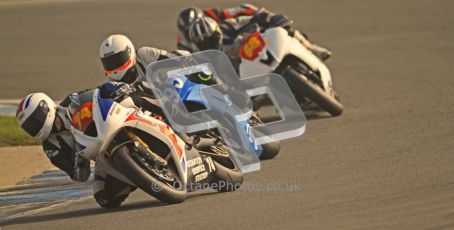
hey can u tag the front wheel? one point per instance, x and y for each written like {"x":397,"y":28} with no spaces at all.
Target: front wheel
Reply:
{"x":129,"y":164}
{"x":313,"y":92}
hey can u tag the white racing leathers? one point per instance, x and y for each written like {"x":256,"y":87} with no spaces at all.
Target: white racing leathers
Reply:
{"x":108,"y":191}
{"x":59,"y":148}
{"x":147,"y":55}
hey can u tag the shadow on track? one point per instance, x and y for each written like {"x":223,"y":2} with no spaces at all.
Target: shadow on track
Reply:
{"x":268,"y":113}
{"x":310,"y":115}
{"x":97,"y":210}
{"x":83,"y":213}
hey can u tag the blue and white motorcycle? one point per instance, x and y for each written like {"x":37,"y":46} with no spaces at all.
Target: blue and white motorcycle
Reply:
{"x":189,"y":88}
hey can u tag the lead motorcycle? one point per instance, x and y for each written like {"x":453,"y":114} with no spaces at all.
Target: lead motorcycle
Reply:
{"x":145,"y":152}
{"x":275,"y":51}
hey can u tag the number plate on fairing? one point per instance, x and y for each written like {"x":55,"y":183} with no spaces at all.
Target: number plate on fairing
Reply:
{"x":252,"y":46}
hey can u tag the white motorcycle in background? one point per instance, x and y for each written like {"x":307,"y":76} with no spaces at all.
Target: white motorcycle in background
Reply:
{"x":145,"y":152}
{"x":274,"y":51}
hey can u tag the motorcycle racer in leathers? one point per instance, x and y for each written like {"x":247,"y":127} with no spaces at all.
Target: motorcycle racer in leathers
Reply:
{"x":125,"y":69}
{"x":231,"y":21}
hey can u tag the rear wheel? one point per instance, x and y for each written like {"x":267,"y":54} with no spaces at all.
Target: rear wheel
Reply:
{"x":163,"y":183}
{"x":303,"y":87}
{"x":226,"y":179}
{"x":270,"y":150}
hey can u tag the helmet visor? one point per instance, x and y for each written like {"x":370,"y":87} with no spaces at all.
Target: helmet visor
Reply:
{"x":115,"y":61}
{"x":130,"y":75}
{"x":36,"y":120}
{"x":212,"y":42}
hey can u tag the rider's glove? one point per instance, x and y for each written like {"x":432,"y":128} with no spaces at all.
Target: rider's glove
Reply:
{"x":108,"y":89}
{"x":115,"y":90}
{"x":123,"y":90}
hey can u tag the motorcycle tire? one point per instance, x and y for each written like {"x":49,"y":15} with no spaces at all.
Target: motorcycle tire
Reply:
{"x":126,"y":164}
{"x":313,"y":92}
{"x":270,"y":150}
{"x":226,"y":179}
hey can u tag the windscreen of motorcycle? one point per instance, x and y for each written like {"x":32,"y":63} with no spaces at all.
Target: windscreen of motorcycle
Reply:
{"x":81,"y":110}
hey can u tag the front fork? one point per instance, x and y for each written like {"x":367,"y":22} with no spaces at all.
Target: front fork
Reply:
{"x":316,"y":78}
{"x":141,"y":145}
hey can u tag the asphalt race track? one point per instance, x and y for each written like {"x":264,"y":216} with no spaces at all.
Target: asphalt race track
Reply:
{"x":386,"y":163}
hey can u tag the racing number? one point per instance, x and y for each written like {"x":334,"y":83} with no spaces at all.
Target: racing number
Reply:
{"x":83,"y":117}
{"x":252,"y":46}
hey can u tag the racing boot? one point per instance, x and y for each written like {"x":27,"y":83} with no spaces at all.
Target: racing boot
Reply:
{"x":110,"y":192}
{"x":322,"y":53}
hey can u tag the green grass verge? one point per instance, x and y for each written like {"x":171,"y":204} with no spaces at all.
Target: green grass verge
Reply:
{"x":12,"y":135}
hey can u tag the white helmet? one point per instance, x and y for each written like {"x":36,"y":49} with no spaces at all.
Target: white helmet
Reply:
{"x":118,"y":57}
{"x":36,"y":115}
